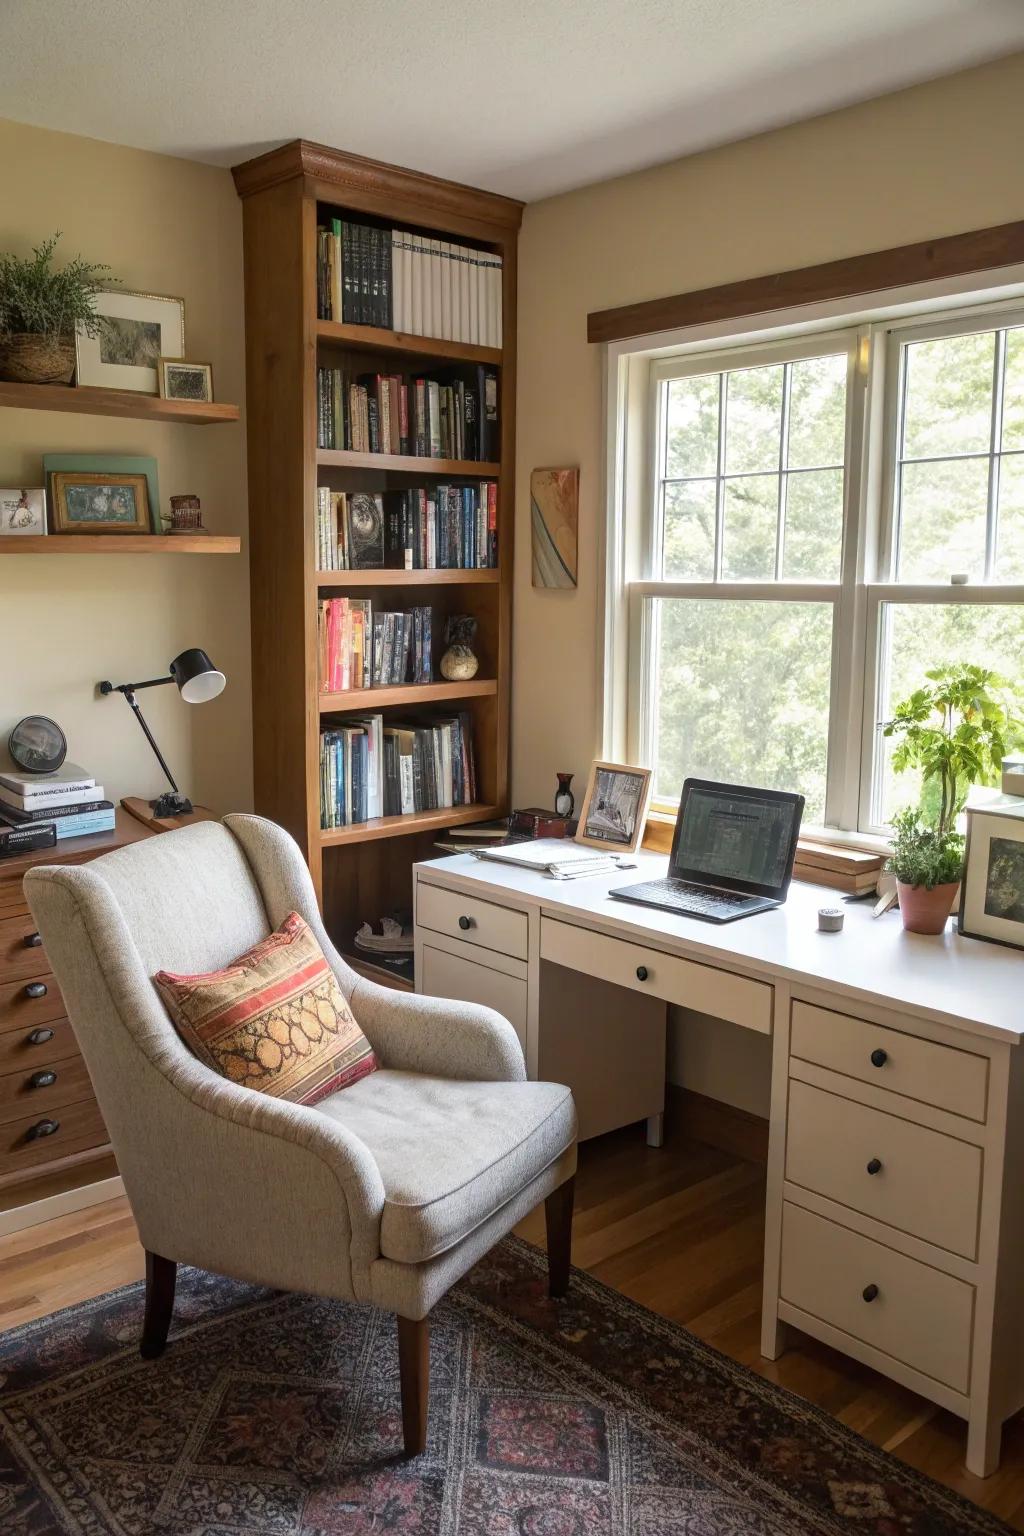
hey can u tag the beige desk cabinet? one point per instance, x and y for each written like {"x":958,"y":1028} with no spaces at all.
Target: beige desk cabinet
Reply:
{"x":895,"y":1205}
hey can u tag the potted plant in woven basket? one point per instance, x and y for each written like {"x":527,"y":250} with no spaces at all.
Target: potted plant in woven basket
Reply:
{"x":40,"y":308}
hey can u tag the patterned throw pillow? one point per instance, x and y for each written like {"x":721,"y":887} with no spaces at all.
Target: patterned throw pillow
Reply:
{"x":275,"y":1019}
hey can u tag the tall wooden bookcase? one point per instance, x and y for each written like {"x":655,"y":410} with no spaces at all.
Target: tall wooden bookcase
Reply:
{"x":360,"y":871}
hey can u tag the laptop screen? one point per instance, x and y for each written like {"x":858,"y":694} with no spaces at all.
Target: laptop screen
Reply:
{"x":741,"y":838}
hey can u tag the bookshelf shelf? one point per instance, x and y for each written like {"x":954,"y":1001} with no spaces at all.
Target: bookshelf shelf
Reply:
{"x":87,"y":401}
{"x":486,"y":577}
{"x":405,"y":826}
{"x":364,"y":699}
{"x":119,"y":544}
{"x":406,"y":464}
{"x":370,"y":338}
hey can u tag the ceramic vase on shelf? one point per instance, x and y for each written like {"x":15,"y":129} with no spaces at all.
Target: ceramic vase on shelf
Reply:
{"x":565,"y":802}
{"x":459,"y":662}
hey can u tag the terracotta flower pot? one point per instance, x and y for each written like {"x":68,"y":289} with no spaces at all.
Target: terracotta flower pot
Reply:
{"x":924,"y":910}
{"x":29,"y":359}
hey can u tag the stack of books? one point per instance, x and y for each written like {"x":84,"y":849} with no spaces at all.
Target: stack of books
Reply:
{"x":372,"y":275}
{"x":453,"y":415}
{"x":363,"y":649}
{"x":370,"y":769}
{"x":39,"y":809}
{"x":853,"y":870}
{"x":448,"y":527}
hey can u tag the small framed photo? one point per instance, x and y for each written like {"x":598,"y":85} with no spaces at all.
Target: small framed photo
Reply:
{"x":615,"y":807}
{"x":185,"y":381}
{"x":97,"y":503}
{"x":992,"y":891}
{"x":138,"y":329}
{"x":23,"y":512}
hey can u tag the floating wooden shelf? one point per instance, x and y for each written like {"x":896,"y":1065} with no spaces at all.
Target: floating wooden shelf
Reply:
{"x":406,"y":693}
{"x":119,"y":544}
{"x":114,"y":402}
{"x":487,"y":577}
{"x":407,"y":464}
{"x":370,"y":338}
{"x":398,"y":826}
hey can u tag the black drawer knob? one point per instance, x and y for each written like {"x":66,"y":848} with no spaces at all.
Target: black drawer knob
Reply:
{"x":36,"y":989}
{"x":42,"y":1079}
{"x":641,"y":973}
{"x":42,"y":1128}
{"x":879,"y":1057}
{"x":32,"y":940}
{"x":875,"y":1165}
{"x":869,"y":1292}
{"x":465,"y":923}
{"x":40,"y":1036}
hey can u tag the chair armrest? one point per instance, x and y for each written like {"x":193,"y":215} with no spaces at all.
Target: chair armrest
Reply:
{"x":433,"y":1035}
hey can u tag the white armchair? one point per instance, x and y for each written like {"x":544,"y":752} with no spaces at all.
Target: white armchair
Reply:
{"x":385,"y":1193}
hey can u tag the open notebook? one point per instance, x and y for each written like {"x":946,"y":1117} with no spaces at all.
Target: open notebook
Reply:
{"x":556,"y":856}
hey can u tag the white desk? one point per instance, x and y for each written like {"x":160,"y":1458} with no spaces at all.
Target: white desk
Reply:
{"x":895,"y":1209}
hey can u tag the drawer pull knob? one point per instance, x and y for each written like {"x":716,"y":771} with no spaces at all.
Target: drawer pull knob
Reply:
{"x":32,"y":940}
{"x":465,"y":923}
{"x":641,"y":973}
{"x":42,"y":1128}
{"x":870,"y":1292}
{"x":36,"y":989}
{"x":42,"y":1079}
{"x":40,"y":1036}
{"x":875,"y":1165}
{"x":879,"y":1057}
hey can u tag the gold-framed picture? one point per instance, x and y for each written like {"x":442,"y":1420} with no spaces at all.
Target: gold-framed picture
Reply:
{"x":83,"y":502}
{"x":192,"y":382}
{"x":615,"y":807}
{"x":137,"y":329}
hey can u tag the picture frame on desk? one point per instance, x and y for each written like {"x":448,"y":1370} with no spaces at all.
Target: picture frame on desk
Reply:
{"x":615,"y":806}
{"x":992,"y":890}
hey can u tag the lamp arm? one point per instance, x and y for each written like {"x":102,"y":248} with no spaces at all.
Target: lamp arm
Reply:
{"x":128,"y":689}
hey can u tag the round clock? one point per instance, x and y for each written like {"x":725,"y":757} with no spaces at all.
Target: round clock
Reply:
{"x":37,"y":744}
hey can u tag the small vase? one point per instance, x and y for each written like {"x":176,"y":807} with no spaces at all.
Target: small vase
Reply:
{"x":924,"y":910}
{"x":29,"y":359}
{"x":565,"y":804}
{"x":459,"y":662}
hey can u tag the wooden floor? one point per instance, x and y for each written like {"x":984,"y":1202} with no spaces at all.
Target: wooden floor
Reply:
{"x":679,"y":1230}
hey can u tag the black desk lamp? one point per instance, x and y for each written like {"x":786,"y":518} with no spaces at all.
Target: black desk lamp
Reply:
{"x":198,"y":680}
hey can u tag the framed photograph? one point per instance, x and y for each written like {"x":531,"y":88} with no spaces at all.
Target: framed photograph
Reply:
{"x":185,"y":381}
{"x":84,"y":503}
{"x":138,"y":330}
{"x":115,"y":466}
{"x":615,"y":807}
{"x":23,"y":512}
{"x":992,"y":891}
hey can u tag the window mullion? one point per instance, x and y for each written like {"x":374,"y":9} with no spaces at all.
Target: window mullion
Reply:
{"x":995,"y":442}
{"x":723,"y":402}
{"x":780,"y":527}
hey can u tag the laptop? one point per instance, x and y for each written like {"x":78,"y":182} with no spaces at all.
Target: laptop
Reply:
{"x":732,"y":853}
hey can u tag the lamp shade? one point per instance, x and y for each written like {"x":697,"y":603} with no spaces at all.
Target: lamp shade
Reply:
{"x":196,"y":676}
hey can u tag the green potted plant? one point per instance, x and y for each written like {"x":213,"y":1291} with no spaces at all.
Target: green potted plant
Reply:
{"x":955,"y":729}
{"x":40,"y":308}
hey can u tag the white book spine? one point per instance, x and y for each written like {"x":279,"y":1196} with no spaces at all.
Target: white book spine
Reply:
{"x":41,"y":802}
{"x":408,"y":800}
{"x":498,"y":290}
{"x":480,"y":287}
{"x":436,"y":285}
{"x":444,"y":259}
{"x":398,"y":320}
{"x":465,"y":291}
{"x":416,"y":285}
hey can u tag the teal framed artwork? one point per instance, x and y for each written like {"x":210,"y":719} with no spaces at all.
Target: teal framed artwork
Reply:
{"x":116,"y":466}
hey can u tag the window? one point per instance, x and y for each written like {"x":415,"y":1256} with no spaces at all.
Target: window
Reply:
{"x":824,"y":518}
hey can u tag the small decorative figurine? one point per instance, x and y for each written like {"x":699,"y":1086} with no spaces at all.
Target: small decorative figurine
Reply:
{"x":459,"y":662}
{"x":565,"y":802}
{"x":186,"y":515}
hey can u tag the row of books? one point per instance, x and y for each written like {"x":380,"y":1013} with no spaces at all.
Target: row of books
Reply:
{"x":448,"y":527}
{"x":37,"y":810}
{"x":450,"y":416}
{"x":369,"y":768}
{"x":370,"y":275}
{"x":362,"y":649}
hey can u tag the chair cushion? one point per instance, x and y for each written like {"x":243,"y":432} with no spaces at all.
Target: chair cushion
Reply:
{"x":450,"y":1153}
{"x":274,"y":1019}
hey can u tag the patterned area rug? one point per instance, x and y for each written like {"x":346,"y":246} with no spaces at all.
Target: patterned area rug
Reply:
{"x":274,"y":1415}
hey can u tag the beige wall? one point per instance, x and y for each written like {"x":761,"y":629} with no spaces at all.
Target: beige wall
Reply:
{"x":165,"y":226}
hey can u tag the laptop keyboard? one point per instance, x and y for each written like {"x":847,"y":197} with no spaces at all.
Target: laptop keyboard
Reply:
{"x":688,"y":898}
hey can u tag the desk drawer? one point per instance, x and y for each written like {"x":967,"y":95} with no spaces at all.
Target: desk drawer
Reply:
{"x":928,"y":1184}
{"x":472,"y":981}
{"x":79,"y":1127}
{"x":29,"y":1092}
{"x":685,"y":982}
{"x":478,"y":922}
{"x":918,"y":1315}
{"x":26,"y":1004}
{"x":18,"y":955}
{"x":920,"y":1069}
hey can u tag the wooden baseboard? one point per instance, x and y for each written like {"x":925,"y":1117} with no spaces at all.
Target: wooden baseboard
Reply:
{"x":721,"y":1125}
{"x":47,"y":1207}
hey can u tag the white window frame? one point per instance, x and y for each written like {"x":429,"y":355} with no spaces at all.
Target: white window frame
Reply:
{"x":872,"y":337}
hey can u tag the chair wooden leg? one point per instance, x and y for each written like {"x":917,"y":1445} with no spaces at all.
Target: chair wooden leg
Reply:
{"x":160,"y":1277}
{"x":414,"y":1372}
{"x":558,"y":1219}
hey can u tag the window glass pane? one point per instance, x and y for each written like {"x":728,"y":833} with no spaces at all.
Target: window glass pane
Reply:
{"x":753,"y":420}
{"x":688,"y":550}
{"x":751,"y":528}
{"x":919,"y":636}
{"x":1010,"y":546}
{"x":817,"y":412}
{"x":943,"y":509}
{"x":691,"y":424}
{"x":1013,"y":399}
{"x":743,"y":695}
{"x":949,"y":396}
{"x":814,"y":525}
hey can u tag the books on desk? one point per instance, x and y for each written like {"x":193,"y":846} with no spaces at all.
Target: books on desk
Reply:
{"x":557,"y":857}
{"x":40,"y":809}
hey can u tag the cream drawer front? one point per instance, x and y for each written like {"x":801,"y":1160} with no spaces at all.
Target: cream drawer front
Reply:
{"x":659,"y":975}
{"x":472,"y":920}
{"x":928,"y":1184}
{"x":918,"y":1314}
{"x":887,"y":1058}
{"x":445,"y":975}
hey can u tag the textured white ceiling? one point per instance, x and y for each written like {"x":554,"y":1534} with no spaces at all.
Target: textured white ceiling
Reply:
{"x":526,"y":97}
